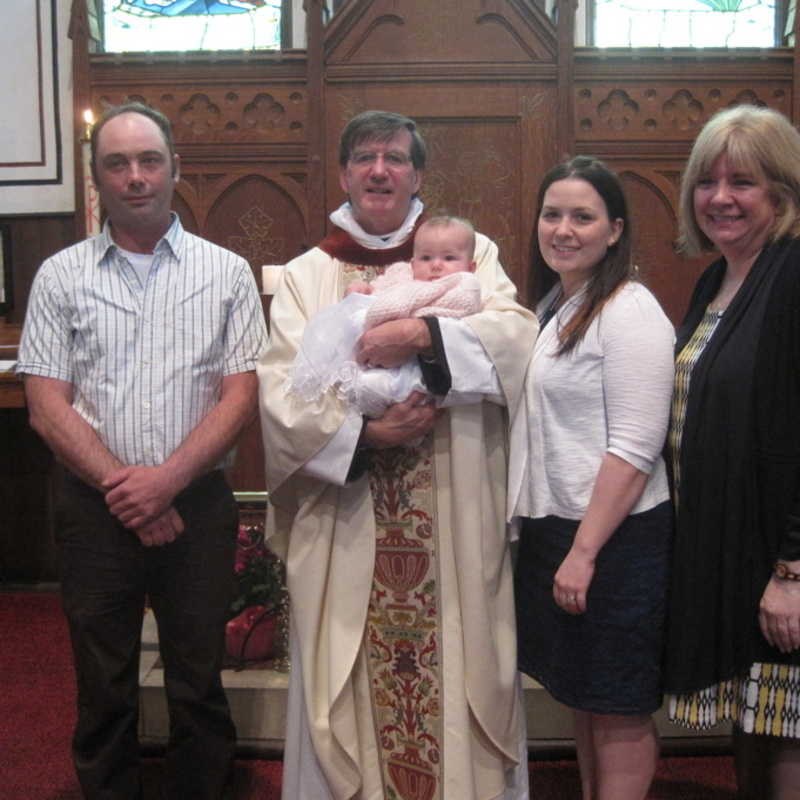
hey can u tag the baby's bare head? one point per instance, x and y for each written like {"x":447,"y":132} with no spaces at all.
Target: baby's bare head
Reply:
{"x":443,"y":245}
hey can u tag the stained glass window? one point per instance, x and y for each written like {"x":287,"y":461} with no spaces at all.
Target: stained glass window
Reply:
{"x":169,"y":25}
{"x":684,"y":23}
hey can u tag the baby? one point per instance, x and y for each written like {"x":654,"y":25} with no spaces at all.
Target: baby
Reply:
{"x":439,"y":282}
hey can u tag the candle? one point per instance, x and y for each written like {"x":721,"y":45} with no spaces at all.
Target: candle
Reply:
{"x":88,"y":122}
{"x":90,"y":197}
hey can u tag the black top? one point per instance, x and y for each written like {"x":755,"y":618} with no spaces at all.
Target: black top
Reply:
{"x":740,"y":473}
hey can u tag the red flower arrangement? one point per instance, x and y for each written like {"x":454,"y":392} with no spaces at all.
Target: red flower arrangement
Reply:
{"x":259,"y":608}
{"x":260,"y":575}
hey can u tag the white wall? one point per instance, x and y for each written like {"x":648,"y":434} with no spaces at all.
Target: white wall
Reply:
{"x":36,"y":129}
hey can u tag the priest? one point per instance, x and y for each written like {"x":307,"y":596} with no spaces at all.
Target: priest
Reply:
{"x":404,"y":680}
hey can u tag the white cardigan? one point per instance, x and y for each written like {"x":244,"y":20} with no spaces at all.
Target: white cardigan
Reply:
{"x":610,"y":394}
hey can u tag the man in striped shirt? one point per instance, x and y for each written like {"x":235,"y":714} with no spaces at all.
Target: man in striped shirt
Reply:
{"x":138,"y":352}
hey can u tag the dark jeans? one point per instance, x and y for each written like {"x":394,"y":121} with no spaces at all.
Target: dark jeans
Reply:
{"x":105,"y":576}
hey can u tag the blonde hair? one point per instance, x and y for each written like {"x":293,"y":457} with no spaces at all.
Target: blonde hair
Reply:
{"x":446,"y":221}
{"x":759,"y":140}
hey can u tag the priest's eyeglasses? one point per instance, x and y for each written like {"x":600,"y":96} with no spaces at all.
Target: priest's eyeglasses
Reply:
{"x":392,"y":158}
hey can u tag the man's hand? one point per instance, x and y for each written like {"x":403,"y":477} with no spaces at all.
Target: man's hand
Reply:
{"x":136,"y":496}
{"x":162,"y":530}
{"x":393,"y":343}
{"x":402,"y":422}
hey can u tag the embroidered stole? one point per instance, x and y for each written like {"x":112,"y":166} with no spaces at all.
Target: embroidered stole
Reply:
{"x":403,"y":633}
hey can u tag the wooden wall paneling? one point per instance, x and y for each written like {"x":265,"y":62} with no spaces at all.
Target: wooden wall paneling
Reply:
{"x":27,"y":544}
{"x":237,"y":119}
{"x":669,"y":111}
{"x":230,"y":120}
{"x":33,"y":239}
{"x":261,"y":215}
{"x":539,"y":150}
{"x":476,"y":35}
{"x":79,"y":34}
{"x":478,"y":76}
{"x":185,"y":210}
{"x":652,"y":193}
{"x":256,"y":211}
{"x":315,"y":36}
{"x":565,"y":10}
{"x":229,"y":110}
{"x":665,"y":97}
{"x":474,"y":174}
{"x":641,"y":113}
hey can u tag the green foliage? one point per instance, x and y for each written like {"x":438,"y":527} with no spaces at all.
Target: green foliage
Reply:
{"x":260,"y":578}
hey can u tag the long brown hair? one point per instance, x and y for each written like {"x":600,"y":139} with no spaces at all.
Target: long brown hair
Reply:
{"x":614,"y":269}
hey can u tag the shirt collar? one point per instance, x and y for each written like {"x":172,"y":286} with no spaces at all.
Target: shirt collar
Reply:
{"x":344,"y":219}
{"x":172,"y":239}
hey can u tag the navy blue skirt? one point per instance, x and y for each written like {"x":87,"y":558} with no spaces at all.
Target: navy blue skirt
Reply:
{"x":607,"y":660}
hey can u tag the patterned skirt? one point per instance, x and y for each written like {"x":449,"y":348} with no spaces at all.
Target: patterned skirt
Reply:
{"x":766,"y":701}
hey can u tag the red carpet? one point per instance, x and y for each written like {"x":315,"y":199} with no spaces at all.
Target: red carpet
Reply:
{"x":37,"y":712}
{"x":37,"y":701}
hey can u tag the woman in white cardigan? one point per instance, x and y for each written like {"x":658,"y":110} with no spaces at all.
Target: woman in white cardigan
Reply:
{"x":588,"y":483}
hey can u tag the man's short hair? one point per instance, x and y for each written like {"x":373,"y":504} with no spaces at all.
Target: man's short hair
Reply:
{"x":132,"y":108}
{"x":380,"y":126}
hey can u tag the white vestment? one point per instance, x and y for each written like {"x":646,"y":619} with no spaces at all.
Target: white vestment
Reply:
{"x":327,"y":536}
{"x":327,"y":356}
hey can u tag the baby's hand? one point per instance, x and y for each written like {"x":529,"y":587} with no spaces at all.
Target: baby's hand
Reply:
{"x":358,"y":286}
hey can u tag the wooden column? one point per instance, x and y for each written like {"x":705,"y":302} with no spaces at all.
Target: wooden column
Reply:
{"x":566,"y":64}
{"x":81,"y":100}
{"x":315,"y":38}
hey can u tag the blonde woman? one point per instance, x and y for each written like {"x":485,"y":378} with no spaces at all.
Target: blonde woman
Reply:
{"x":734,"y":615}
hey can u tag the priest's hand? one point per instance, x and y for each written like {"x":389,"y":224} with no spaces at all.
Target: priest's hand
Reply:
{"x":779,"y":612}
{"x":391,"y":344}
{"x":402,"y":422}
